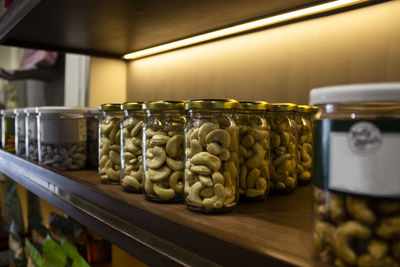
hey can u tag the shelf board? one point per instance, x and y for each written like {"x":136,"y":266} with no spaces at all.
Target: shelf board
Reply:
{"x":104,"y":28}
{"x":276,"y":231}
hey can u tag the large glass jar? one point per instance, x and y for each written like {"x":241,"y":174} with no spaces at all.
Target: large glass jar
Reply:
{"x":31,"y":133}
{"x":8,"y":131}
{"x":131,"y":147}
{"x":254,"y":150}
{"x":212,"y":155}
{"x":284,"y":139}
{"x":62,"y":137}
{"x":20,"y":132}
{"x":163,"y":147}
{"x":92,"y":117}
{"x":305,"y":146}
{"x":356,"y":174}
{"x":110,"y":143}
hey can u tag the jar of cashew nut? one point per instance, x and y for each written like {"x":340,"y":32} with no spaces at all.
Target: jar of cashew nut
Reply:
{"x":254,"y":150}
{"x":8,"y":131}
{"x":305,"y":146}
{"x":62,"y":137}
{"x":163,"y":151}
{"x":131,"y":147}
{"x":356,"y":174}
{"x":284,"y":140}
{"x":20,"y":132}
{"x":212,"y":155}
{"x":31,"y":140}
{"x":110,"y":143}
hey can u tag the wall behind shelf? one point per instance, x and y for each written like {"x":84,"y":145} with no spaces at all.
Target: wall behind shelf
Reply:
{"x":279,"y":64}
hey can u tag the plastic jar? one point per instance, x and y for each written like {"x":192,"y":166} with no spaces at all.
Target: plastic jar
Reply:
{"x":110,"y":143}
{"x":284,"y":140}
{"x":8,"y":131}
{"x":131,"y":147}
{"x":356,"y":174}
{"x":163,"y":147}
{"x":305,"y":146}
{"x":212,"y":155}
{"x":92,"y":118}
{"x":31,"y":133}
{"x":20,"y":132}
{"x":254,"y":151}
{"x":62,"y":137}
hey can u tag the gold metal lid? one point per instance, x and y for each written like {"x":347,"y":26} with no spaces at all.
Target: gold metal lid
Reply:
{"x":315,"y":109}
{"x":212,"y":104}
{"x":163,"y":105}
{"x":305,"y":109}
{"x":132,"y":106}
{"x":255,"y":105}
{"x":110,"y":107}
{"x":283,"y":107}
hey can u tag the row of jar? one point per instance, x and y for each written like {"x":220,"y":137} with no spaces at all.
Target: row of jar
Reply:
{"x":206,"y":153}
{"x":63,"y":138}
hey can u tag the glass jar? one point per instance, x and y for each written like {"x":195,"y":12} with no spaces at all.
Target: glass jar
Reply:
{"x":8,"y":131}
{"x":62,"y":137}
{"x":254,"y":151}
{"x":31,"y":140}
{"x":163,"y":156}
{"x":356,"y":174}
{"x":1,"y":127}
{"x":212,"y":155}
{"x":284,"y":140}
{"x":110,"y":143}
{"x":20,"y":132}
{"x":131,"y":147}
{"x":305,"y":146}
{"x":92,"y":119}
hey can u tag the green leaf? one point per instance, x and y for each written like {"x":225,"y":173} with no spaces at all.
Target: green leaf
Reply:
{"x":73,"y":254}
{"x":53,"y":252}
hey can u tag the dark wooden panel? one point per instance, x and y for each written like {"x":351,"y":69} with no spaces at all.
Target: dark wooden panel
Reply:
{"x":114,"y":28}
{"x":275,"y":231}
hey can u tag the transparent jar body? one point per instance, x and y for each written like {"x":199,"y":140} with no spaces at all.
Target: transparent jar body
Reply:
{"x":284,"y":140}
{"x":254,"y":155}
{"x":20,"y":134}
{"x":93,"y":139}
{"x":355,"y":228}
{"x":8,"y":132}
{"x":131,"y":150}
{"x":62,"y":140}
{"x":110,"y":147}
{"x":305,"y":147}
{"x":163,"y":155}
{"x":212,"y":161}
{"x":31,"y":137}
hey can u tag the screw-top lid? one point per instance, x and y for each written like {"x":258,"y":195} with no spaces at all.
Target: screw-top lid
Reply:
{"x":163,"y":105}
{"x":110,"y":107}
{"x":305,"y":109}
{"x":283,"y":107}
{"x":49,"y":110}
{"x":255,"y":105}
{"x":353,"y":93}
{"x":212,"y":104}
{"x":315,"y":109}
{"x":132,"y":106}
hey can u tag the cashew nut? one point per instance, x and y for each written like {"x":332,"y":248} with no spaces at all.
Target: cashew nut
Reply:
{"x":208,"y":159}
{"x":174,"y":146}
{"x":159,"y":157}
{"x":176,"y":165}
{"x":163,"y":193}
{"x":359,"y":210}
{"x":156,"y":175}
{"x":220,"y":136}
{"x":204,"y":130}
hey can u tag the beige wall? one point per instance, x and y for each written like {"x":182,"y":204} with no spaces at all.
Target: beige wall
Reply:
{"x":107,"y":82}
{"x":279,"y":64}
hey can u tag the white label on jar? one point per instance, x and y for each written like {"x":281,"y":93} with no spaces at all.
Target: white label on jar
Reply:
{"x":365,"y":161}
{"x":62,"y":131}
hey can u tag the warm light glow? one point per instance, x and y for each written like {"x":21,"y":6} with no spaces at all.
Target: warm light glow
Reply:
{"x":243,"y":27}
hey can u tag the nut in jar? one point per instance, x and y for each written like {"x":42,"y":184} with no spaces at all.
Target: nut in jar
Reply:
{"x":305,"y":146}
{"x":110,"y":143}
{"x":212,"y":155}
{"x":163,"y":151}
{"x":254,"y":150}
{"x":356,"y":174}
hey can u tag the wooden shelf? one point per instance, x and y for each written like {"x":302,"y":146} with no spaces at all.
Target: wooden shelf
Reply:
{"x":275,"y":231}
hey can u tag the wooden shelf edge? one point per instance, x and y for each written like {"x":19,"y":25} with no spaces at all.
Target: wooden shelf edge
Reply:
{"x":151,"y":238}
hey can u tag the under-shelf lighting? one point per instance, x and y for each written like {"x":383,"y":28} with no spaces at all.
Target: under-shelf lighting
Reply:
{"x":244,"y":27}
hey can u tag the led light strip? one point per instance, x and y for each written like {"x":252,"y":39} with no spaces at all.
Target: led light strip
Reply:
{"x":243,"y":27}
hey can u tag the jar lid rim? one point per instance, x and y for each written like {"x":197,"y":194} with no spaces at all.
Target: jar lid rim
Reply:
{"x":353,"y":93}
{"x":255,"y":105}
{"x":110,"y":107}
{"x":212,"y":104}
{"x":305,"y":109}
{"x":132,"y":106}
{"x":163,"y":104}
{"x":284,"y":107}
